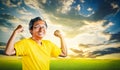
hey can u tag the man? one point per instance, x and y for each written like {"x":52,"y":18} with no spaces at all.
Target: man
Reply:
{"x":35,"y":52}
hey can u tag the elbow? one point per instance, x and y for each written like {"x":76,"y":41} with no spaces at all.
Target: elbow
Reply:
{"x":9,"y":53}
{"x":63,"y":55}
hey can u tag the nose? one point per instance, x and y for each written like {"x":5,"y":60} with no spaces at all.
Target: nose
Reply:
{"x":40,"y":29}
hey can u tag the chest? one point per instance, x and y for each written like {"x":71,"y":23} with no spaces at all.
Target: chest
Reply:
{"x":39,"y":50}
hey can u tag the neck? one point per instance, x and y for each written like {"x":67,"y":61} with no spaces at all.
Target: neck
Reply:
{"x":38,"y":40}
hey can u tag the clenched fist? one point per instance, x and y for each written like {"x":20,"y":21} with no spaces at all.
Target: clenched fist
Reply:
{"x":57,"y":33}
{"x":19,"y":29}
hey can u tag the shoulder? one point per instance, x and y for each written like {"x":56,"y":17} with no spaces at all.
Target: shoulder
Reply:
{"x":46,"y":41}
{"x":23,"y":40}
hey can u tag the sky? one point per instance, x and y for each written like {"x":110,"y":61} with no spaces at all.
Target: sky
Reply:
{"x":91,"y":27}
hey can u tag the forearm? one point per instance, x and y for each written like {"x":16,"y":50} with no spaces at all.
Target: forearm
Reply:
{"x":63,"y":47}
{"x":10,"y":45}
{"x":57,"y":33}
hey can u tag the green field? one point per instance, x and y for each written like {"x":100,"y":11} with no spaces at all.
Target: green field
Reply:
{"x":14,"y":63}
{"x":85,"y":64}
{"x":10,"y":63}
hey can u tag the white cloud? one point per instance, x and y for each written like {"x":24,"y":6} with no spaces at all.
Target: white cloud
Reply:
{"x":65,"y":6}
{"x":90,"y":14}
{"x":92,"y":33}
{"x":10,"y":4}
{"x":4,"y":29}
{"x":78,"y":7}
{"x":109,"y":24}
{"x":23,"y":11}
{"x":25,"y":15}
{"x":16,"y":22}
{"x":114,"y":6}
{"x":89,"y":9}
{"x":2,"y":8}
{"x":36,"y":4}
{"x":110,"y":56}
{"x":44,"y":1}
{"x":82,"y":1}
{"x":32,"y":3}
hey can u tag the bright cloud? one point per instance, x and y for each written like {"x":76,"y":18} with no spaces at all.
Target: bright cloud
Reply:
{"x":114,"y":5}
{"x":89,"y":9}
{"x":93,"y":33}
{"x":65,"y":6}
{"x":36,"y":4}
{"x":80,"y":34}
{"x":4,"y":29}
{"x":83,"y":1}
{"x":78,"y":7}
{"x":10,"y":4}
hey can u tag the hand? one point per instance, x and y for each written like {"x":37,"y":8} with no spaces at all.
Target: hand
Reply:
{"x":57,"y":33}
{"x":19,"y":29}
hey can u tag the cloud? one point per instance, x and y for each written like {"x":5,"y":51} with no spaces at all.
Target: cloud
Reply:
{"x":65,"y":6}
{"x":35,"y":4}
{"x":9,"y":20}
{"x":92,"y":39}
{"x":23,"y":11}
{"x":78,"y":8}
{"x":8,"y":23}
{"x":89,"y":9}
{"x":2,"y":8}
{"x":82,"y":1}
{"x":5,"y":23}
{"x":96,"y":51}
{"x":84,"y":35}
{"x":71,"y":27}
{"x":110,"y":56}
{"x":26,"y":15}
{"x":6,"y":16}
{"x":115,"y":37}
{"x":106,"y":51}
{"x":93,"y":30}
{"x":102,"y":11}
{"x":90,"y":14}
{"x":114,"y":5}
{"x":4,"y":29}
{"x":11,"y":3}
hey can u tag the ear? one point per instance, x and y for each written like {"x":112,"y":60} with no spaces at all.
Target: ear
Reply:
{"x":30,"y":31}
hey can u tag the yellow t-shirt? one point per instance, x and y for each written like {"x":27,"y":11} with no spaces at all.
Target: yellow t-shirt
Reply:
{"x":34,"y":56}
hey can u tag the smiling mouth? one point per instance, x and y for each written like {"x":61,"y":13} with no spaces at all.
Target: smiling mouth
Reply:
{"x":41,"y":33}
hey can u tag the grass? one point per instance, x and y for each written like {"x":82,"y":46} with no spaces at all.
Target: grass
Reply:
{"x":10,"y":63}
{"x":85,"y":64}
{"x":14,"y":63}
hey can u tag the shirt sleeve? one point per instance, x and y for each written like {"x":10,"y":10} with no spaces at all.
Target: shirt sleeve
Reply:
{"x":20,"y":48}
{"x":56,"y":51}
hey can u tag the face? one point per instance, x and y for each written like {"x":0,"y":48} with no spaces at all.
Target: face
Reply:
{"x":39,"y":29}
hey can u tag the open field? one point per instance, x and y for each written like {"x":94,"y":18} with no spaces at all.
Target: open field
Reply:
{"x":85,"y":64}
{"x":14,"y":63}
{"x":10,"y":63}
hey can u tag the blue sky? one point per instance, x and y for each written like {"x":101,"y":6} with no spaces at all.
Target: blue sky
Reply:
{"x":89,"y":26}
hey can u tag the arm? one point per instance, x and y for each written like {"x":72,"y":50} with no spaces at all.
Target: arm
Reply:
{"x":9,"y":50}
{"x":63,"y":45}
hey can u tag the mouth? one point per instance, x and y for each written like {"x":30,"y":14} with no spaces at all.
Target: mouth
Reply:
{"x":40,"y":33}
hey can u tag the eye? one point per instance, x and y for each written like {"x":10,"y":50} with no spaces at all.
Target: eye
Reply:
{"x":43,"y":27}
{"x":38,"y":27}
{"x":35,"y":27}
